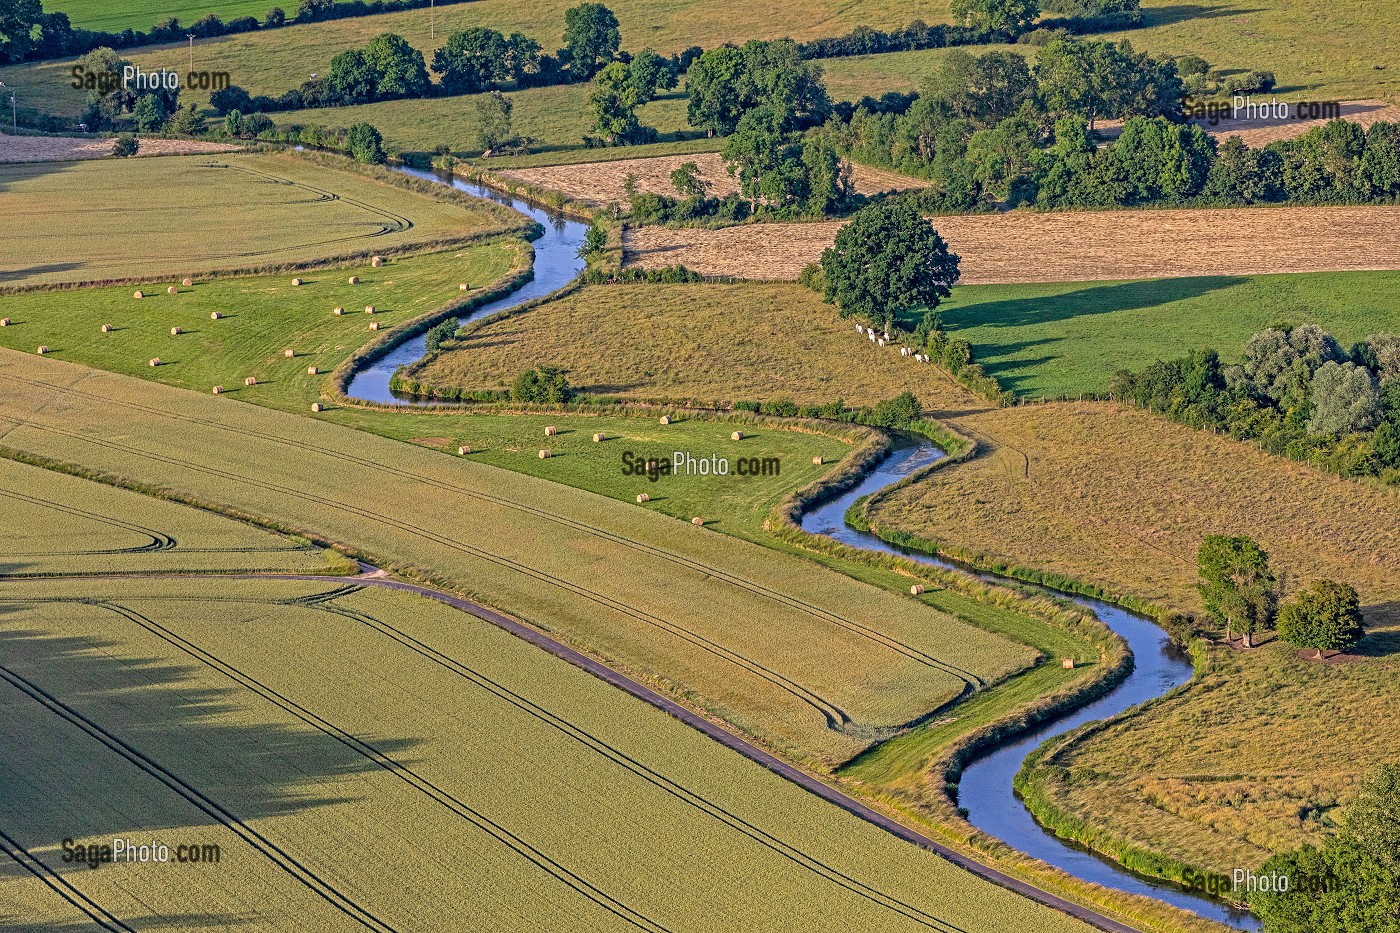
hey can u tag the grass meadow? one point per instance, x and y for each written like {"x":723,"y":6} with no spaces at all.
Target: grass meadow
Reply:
{"x":685,"y":342}
{"x":565,"y":796}
{"x":1065,"y":339}
{"x":193,"y":214}
{"x":116,"y":15}
{"x":818,"y":677}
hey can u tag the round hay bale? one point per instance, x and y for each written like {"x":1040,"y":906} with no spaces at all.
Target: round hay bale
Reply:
{"x":155,"y":361}
{"x":697,"y":521}
{"x":917,"y":589}
{"x":544,"y":455}
{"x":737,"y":436}
{"x":1067,"y":664}
{"x":643,"y":497}
{"x":354,"y":280}
{"x":463,"y":450}
{"x":665,"y":419}
{"x":462,"y":287}
{"x":43,"y":349}
{"x":597,"y":438}
{"x":250,"y":381}
{"x":296,"y":282}
{"x":550,"y":431}
{"x":317,"y":406}
{"x":106,"y":328}
{"x":818,"y":460}
{"x":138,"y":294}
{"x":5,"y":322}
{"x":289,"y":353}
{"x":338,"y":311}
{"x":369,"y":309}
{"x":374,"y":325}
{"x":175,"y":331}
{"x":214,"y":315}
{"x":377,"y":261}
{"x":172,"y":290}
{"x":187,"y":283}
{"x":218,"y":390}
{"x":313,"y":371}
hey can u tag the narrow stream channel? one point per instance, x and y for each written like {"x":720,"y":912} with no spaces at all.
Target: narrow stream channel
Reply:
{"x":986,"y":785}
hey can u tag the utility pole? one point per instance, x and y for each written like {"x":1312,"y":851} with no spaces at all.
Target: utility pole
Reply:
{"x":191,"y":38}
{"x":432,"y":19}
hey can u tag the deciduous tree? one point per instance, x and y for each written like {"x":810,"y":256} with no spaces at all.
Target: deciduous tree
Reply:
{"x":1239,"y":590}
{"x":888,"y":259}
{"x":1326,"y":617}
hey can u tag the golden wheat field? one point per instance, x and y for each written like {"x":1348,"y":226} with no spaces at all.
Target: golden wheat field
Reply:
{"x":1071,"y":246}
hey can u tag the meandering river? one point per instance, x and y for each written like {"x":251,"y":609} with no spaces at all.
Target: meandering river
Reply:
{"x":985,"y":788}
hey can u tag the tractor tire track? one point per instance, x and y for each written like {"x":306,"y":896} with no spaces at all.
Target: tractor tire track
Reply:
{"x":60,"y":885}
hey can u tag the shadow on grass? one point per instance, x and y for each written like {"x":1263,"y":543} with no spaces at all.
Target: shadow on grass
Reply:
{"x":1167,"y":15}
{"x":1384,"y":642}
{"x":1093,"y":299}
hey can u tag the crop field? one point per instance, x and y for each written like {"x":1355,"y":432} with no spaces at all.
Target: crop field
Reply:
{"x":1069,"y":246}
{"x":69,"y":148}
{"x":116,"y":15}
{"x":194,"y":214}
{"x":684,"y":342}
{"x":601,"y":183}
{"x":716,"y":631}
{"x":181,"y":714}
{"x":261,"y":317}
{"x":1122,"y":498}
{"x":59,"y":524}
{"x":1061,"y":340}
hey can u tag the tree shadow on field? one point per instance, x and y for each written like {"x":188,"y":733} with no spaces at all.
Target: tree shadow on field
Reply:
{"x":1090,"y":300}
{"x":1381,"y":642}
{"x":66,"y":700}
{"x":19,"y":275}
{"x":1167,"y":15}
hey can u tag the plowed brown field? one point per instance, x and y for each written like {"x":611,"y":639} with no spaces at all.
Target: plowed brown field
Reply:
{"x":1023,"y":246}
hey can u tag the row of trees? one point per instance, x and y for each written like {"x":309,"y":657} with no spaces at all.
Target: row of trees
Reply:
{"x":1242,"y":594}
{"x":1295,"y":391}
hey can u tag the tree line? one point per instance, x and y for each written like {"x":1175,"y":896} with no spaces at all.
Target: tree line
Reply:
{"x":1295,"y":391}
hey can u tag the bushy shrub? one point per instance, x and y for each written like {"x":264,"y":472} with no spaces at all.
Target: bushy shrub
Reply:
{"x":546,"y":384}
{"x":125,"y":147}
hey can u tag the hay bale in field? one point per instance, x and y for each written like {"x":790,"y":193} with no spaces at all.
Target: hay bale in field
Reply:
{"x":597,"y":438}
{"x":354,"y":280}
{"x":818,"y":460}
{"x":665,"y":419}
{"x":155,"y":361}
{"x":5,"y":322}
{"x":296,"y":282}
{"x":138,"y":294}
{"x":377,"y":261}
{"x":374,"y":325}
{"x":917,"y":589}
{"x":172,"y":290}
{"x":218,"y":390}
{"x":369,"y":309}
{"x":214,"y":315}
{"x":544,"y":455}
{"x":463,"y":287}
{"x":463,"y":450}
{"x":176,"y":331}
{"x":317,"y":406}
{"x":187,"y":283}
{"x":338,"y":311}
{"x":106,"y":328}
{"x":550,"y":431}
{"x":737,"y":436}
{"x":289,"y":353}
{"x":643,"y":497}
{"x":313,"y":371}
{"x":250,"y":381}
{"x":42,"y":350}
{"x":697,"y":521}
{"x":1067,"y":664}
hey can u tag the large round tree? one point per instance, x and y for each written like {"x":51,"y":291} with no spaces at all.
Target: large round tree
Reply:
{"x":1325,"y":617}
{"x":886,"y":260}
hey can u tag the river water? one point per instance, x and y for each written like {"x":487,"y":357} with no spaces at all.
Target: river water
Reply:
{"x":985,"y":788}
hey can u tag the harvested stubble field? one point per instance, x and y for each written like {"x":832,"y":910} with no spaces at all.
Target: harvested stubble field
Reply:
{"x":69,"y":148}
{"x":600,"y":183}
{"x":1122,"y":498}
{"x":190,"y":715}
{"x":261,"y":317}
{"x":699,"y":614}
{"x":58,"y":524}
{"x":685,"y":343}
{"x":1077,"y":246}
{"x":194,"y":214}
{"x":1062,"y":340}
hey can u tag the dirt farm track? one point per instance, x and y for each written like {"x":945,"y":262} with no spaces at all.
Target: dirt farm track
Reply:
{"x":1067,"y":247}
